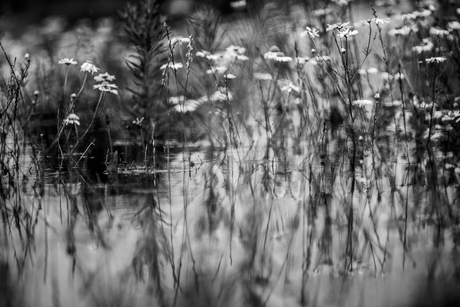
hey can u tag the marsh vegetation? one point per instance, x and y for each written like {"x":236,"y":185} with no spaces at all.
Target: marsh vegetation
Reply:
{"x":287,"y":154}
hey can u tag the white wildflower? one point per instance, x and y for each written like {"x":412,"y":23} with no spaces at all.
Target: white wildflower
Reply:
{"x":342,"y":2}
{"x":236,"y":49}
{"x":238,"y":5}
{"x":67,"y":61}
{"x":217,"y":70}
{"x":403,"y":31}
{"x":277,"y":56}
{"x":369,"y":71}
{"x":202,"y":54}
{"x":347,"y":33}
{"x":440,"y":59}
{"x":302,"y":60}
{"x":262,"y":76}
{"x":89,"y":67}
{"x":221,"y":95}
{"x":283,"y":59}
{"x":106,"y":87}
{"x":312,"y":32}
{"x":381,"y":21}
{"x":438,"y":32}
{"x":322,"y":12}
{"x":72,"y":119}
{"x":338,"y":26}
{"x":170,"y":65}
{"x":426,"y":46}
{"x":290,"y":87}
{"x":138,"y":121}
{"x":179,"y":40}
{"x":270,"y":55}
{"x":372,"y":71}
{"x":176,"y":99}
{"x":104,"y":77}
{"x":189,"y":105}
{"x":361,"y":103}
{"x":323,"y":58}
{"x":453,"y":25}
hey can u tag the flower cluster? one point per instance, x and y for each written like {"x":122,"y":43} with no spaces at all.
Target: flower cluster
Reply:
{"x":104,"y":85}
{"x":343,"y":30}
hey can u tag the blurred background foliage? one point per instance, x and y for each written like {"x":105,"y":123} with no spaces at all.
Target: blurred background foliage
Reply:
{"x":17,"y":15}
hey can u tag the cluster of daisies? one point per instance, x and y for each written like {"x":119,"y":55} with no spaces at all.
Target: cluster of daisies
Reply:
{"x":88,"y":67}
{"x":104,"y":85}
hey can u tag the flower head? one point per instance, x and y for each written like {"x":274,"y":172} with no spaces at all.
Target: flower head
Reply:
{"x":438,"y":32}
{"x":170,"y":65}
{"x":89,"y":67}
{"x":138,"y":121}
{"x":104,"y":77}
{"x":427,"y":45}
{"x":188,"y":105}
{"x":381,"y":21}
{"x":436,"y":60}
{"x":72,"y":119}
{"x":302,"y":60}
{"x":403,"y":31}
{"x":238,"y":5}
{"x":338,"y":26}
{"x":106,"y":87}
{"x":203,"y":54}
{"x":180,"y":40}
{"x":342,"y":2}
{"x":347,"y":33}
{"x":277,"y":56}
{"x":312,"y":32}
{"x":290,"y":87}
{"x":361,"y":103}
{"x":262,"y":76}
{"x":322,"y":12}
{"x":229,"y":76}
{"x":453,"y":25}
{"x":217,"y":70}
{"x":67,"y":61}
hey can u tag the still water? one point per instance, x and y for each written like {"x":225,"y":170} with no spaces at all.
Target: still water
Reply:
{"x":229,"y":231}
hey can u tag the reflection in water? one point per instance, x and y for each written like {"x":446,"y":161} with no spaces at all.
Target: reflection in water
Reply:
{"x":225,"y":231}
{"x":265,"y":225}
